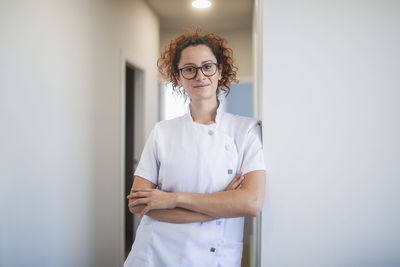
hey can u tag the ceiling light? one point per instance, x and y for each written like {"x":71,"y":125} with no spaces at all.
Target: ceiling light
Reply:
{"x":201,"y":4}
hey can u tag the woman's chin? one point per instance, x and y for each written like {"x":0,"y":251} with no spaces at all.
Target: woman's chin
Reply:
{"x":201,"y":96}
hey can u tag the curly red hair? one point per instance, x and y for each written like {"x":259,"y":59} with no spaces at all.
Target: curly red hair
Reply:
{"x":168,"y":62}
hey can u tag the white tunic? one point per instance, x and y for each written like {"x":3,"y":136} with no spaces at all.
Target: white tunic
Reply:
{"x":181,"y":155}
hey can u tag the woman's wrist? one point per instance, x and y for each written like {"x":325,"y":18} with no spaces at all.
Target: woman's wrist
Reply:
{"x":176,"y":198}
{"x":181,"y":200}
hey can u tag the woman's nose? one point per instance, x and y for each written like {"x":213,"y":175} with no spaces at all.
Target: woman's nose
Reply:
{"x":200,"y":75}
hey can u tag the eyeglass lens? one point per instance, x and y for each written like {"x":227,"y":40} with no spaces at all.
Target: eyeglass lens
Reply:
{"x":207,"y":69}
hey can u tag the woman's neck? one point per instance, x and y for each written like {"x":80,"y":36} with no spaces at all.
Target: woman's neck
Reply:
{"x":204,"y":112}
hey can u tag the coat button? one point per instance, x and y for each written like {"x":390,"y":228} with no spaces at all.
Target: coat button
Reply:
{"x":210,"y":132}
{"x":218,"y":222}
{"x":212,"y":249}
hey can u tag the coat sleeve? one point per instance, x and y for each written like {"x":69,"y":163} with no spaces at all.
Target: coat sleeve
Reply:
{"x":149,"y":164}
{"x":253,"y":157}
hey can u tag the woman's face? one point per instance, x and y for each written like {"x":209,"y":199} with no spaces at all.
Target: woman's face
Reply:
{"x":200,"y":87}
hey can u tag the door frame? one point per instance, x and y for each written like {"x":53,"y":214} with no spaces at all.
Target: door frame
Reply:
{"x":127,"y":59}
{"x":258,"y":104}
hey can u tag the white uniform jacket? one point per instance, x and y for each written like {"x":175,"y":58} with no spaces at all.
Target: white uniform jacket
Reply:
{"x":181,"y":155}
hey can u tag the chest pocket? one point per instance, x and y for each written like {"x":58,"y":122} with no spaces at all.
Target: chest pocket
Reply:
{"x":203,"y":162}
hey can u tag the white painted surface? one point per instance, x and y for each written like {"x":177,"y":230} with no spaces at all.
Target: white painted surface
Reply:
{"x":60,"y":119}
{"x":331,"y":133}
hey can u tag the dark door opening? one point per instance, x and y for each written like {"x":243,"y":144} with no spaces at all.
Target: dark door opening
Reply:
{"x":129,"y":152}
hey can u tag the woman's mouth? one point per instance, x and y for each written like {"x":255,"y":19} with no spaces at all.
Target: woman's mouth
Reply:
{"x":201,"y":85}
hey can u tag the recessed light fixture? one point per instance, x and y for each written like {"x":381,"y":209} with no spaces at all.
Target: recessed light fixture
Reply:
{"x":201,"y":4}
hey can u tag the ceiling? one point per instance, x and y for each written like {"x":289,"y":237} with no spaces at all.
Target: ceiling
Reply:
{"x":223,"y":15}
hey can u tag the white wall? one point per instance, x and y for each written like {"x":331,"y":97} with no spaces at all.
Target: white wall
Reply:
{"x":60,"y":120}
{"x":331,"y":133}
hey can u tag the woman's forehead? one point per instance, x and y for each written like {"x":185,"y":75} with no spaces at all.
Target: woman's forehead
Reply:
{"x":196,"y":55}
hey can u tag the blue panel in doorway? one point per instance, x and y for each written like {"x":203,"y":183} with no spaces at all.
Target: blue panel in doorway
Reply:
{"x":240,"y":99}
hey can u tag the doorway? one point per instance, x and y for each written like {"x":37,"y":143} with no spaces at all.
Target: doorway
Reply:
{"x":251,"y":29}
{"x":133,"y":104}
{"x":129,"y":149}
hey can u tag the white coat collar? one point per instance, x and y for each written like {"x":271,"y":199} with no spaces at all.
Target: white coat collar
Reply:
{"x":220,"y":111}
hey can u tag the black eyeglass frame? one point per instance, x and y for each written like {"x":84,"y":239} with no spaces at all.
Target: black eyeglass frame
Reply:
{"x":201,"y":68}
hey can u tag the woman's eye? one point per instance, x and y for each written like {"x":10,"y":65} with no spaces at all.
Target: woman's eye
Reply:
{"x":207,"y":66}
{"x":189,"y":69}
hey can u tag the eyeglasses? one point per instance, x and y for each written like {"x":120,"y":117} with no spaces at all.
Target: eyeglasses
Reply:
{"x":190,"y":72}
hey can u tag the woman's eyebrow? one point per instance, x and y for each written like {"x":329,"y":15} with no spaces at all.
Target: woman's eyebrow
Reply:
{"x":189,"y":64}
{"x":192,"y":64}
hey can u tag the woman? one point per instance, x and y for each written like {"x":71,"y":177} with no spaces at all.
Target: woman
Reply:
{"x":189,"y":186}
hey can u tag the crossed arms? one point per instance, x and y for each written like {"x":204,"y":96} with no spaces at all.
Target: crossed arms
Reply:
{"x":244,"y":196}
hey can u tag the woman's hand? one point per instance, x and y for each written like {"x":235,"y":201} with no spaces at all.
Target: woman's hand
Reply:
{"x":236,"y":182}
{"x":152,"y":198}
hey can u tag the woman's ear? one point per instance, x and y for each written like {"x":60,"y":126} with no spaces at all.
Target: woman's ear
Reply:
{"x":220,"y":72}
{"x":178,"y":80}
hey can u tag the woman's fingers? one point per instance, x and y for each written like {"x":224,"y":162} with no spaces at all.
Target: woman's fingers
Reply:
{"x":142,"y":189}
{"x":138,"y":194}
{"x":139,"y":201}
{"x":229,"y":187}
{"x":144,"y":211}
{"x":236,"y":181}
